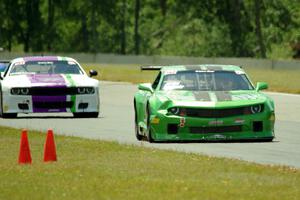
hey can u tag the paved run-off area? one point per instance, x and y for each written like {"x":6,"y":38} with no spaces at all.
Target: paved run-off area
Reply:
{"x":116,"y":123}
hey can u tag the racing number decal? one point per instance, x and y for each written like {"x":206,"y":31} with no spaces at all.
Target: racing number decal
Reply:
{"x":182,"y":122}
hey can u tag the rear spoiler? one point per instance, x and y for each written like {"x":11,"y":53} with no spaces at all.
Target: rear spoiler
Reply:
{"x":151,"y":68}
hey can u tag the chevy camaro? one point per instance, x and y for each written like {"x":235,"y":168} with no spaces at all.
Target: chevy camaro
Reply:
{"x":46,"y":84}
{"x":203,"y":102}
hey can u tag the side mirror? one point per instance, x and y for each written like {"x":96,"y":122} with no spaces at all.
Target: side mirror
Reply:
{"x":261,"y":86}
{"x":1,"y":75}
{"x":146,"y":87}
{"x":93,"y":73}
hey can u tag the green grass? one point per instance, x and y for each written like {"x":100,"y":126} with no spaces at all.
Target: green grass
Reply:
{"x":279,"y":80}
{"x":90,"y":169}
{"x":124,"y":73}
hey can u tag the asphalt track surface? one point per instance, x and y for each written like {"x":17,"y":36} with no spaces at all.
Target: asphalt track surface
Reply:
{"x":115,"y":123}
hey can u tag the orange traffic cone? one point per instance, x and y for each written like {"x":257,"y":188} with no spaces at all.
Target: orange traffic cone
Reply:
{"x":49,"y":148}
{"x":24,"y":155}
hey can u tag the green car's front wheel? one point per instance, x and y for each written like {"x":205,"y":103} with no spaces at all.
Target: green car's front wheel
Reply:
{"x":137,"y":129}
{"x":149,"y":135}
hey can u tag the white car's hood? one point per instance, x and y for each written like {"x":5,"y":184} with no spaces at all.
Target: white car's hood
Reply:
{"x":51,"y":80}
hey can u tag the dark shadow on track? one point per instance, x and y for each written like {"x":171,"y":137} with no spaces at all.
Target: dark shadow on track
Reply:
{"x":53,"y":117}
{"x":218,"y":141}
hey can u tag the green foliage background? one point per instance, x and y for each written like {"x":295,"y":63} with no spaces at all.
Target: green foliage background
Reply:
{"x":210,"y":28}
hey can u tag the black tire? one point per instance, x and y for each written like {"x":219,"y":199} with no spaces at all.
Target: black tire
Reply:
{"x":267,"y":140}
{"x":149,"y":135}
{"x":138,"y":136}
{"x":86,"y":115}
{"x":1,"y":102}
{"x":9,"y":115}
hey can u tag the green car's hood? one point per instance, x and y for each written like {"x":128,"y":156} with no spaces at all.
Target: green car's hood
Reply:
{"x":211,"y":98}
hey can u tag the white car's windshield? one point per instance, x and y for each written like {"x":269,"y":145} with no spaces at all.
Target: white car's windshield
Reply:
{"x":206,"y":81}
{"x":45,"y":67}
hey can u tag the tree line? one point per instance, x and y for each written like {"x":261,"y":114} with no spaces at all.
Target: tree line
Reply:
{"x":226,"y":28}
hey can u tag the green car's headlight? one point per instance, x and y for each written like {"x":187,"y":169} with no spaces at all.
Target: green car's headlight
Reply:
{"x":174,"y":110}
{"x":256,"y":108}
{"x":177,"y":111}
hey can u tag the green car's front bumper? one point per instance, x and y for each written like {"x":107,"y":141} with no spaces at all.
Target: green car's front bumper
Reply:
{"x":166,"y":127}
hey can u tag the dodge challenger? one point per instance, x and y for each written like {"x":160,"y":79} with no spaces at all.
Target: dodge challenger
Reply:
{"x":44,"y":84}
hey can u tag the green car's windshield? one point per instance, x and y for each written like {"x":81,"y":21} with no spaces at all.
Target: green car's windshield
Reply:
{"x":206,"y":81}
{"x":45,"y":67}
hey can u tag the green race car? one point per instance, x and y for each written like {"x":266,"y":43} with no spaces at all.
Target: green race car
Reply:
{"x":203,"y":102}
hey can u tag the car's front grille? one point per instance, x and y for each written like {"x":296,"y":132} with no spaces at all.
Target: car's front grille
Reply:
{"x":219,"y":113}
{"x":52,"y":91}
{"x":214,"y":113}
{"x":215,"y":129}
{"x":53,"y":105}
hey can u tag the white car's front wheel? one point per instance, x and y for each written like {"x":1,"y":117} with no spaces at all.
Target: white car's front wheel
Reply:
{"x":86,"y":115}
{"x":5,"y":115}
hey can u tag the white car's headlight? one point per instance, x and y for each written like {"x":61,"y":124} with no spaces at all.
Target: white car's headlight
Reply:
{"x":15,"y":91}
{"x":90,"y":90}
{"x":85,"y":90}
{"x":19,"y":91}
{"x":24,"y":91}
{"x":81,"y":90}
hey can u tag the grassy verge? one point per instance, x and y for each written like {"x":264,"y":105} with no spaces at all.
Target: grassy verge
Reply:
{"x":88,"y":169}
{"x":279,"y":80}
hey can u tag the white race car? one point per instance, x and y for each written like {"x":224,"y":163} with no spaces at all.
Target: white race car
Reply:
{"x":45,"y":84}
